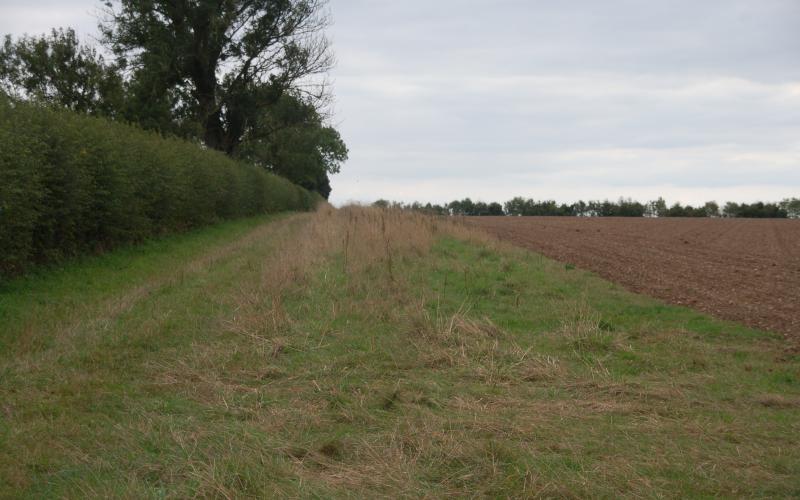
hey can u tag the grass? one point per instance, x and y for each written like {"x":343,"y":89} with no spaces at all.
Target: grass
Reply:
{"x":376,"y":354}
{"x":75,"y":290}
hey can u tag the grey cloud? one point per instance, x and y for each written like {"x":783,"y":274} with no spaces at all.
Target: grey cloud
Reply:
{"x":611,"y":98}
{"x":575,"y":99}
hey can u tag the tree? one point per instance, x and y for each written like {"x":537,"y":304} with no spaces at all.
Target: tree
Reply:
{"x":495,"y":208}
{"x":731,"y":209}
{"x":215,"y":62}
{"x":56,"y":69}
{"x":792,"y":207}
{"x":579,"y":208}
{"x":629,"y":208}
{"x":480,"y":208}
{"x":463,"y":207}
{"x":515,"y":206}
{"x":711,"y":209}
{"x":435,"y":209}
{"x":290,"y":139}
{"x":657,"y":208}
{"x":676,"y":210}
{"x":755,"y":210}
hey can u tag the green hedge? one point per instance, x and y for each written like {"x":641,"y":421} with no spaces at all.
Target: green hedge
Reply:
{"x":72,"y":184}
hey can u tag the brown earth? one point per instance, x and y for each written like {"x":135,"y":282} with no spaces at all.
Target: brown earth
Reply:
{"x":745,"y":270}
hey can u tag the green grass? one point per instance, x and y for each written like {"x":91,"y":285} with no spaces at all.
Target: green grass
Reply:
{"x":180,"y":369}
{"x":52,"y":294}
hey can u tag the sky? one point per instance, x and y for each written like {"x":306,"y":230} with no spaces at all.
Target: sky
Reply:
{"x":565,"y":100}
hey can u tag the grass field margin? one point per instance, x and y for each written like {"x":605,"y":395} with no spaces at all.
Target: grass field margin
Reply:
{"x":375,"y":353}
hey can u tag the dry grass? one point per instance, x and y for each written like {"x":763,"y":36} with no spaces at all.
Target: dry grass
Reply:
{"x":374,"y":353}
{"x":368,"y":244}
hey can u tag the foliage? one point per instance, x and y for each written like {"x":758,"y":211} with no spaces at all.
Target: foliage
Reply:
{"x":291,"y":140}
{"x":522,"y":206}
{"x":624,"y":207}
{"x":416,"y":206}
{"x":72,"y":184}
{"x":227,"y":74}
{"x":678,"y":210}
{"x":758,"y":210}
{"x":218,"y":62}
{"x":468,"y":207}
{"x":657,"y":208}
{"x":792,"y":207}
{"x":56,"y":69}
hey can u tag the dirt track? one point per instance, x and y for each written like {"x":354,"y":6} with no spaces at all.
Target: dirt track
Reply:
{"x":745,"y":270}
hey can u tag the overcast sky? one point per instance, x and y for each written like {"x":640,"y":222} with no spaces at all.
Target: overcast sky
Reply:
{"x":443,"y":99}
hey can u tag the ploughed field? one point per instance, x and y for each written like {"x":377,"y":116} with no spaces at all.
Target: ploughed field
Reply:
{"x":745,"y":270}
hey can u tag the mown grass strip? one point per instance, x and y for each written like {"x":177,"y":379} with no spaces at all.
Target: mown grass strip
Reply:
{"x":52,"y":295}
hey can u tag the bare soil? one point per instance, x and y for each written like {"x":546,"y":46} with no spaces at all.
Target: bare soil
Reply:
{"x":745,"y":270}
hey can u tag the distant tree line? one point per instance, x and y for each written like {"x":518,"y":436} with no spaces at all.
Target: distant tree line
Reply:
{"x":623,"y":207}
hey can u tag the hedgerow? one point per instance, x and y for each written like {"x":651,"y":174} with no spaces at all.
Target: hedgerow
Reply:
{"x":72,"y":184}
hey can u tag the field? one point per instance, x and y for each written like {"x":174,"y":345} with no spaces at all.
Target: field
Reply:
{"x":745,"y":270}
{"x":378,"y":354}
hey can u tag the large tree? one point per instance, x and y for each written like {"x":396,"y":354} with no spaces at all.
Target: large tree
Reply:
{"x":217,"y":62}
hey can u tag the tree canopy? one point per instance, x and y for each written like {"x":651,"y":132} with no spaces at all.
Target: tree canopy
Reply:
{"x":290,"y":139}
{"x":216,"y":63}
{"x":246,"y":77}
{"x":624,"y":207}
{"x":56,"y":69}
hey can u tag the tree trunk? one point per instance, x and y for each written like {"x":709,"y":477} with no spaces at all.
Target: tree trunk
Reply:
{"x":213,"y":130}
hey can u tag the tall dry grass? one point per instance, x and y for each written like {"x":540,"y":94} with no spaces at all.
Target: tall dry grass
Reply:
{"x":365,"y":244}
{"x":354,"y":262}
{"x":368,"y":248}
